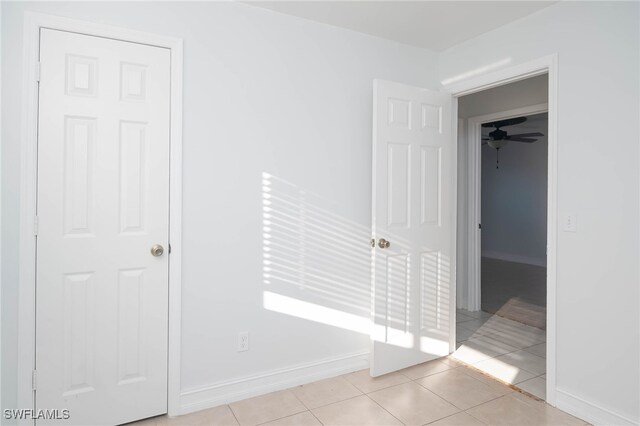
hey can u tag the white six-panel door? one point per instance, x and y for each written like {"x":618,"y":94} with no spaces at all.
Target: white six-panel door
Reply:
{"x":413,"y":191}
{"x":103,"y":202}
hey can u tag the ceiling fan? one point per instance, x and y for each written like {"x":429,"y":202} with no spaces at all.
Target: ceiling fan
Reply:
{"x":499,"y":138}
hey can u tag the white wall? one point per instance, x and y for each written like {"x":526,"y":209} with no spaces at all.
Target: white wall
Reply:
{"x":514,"y":197}
{"x":598,"y":276}
{"x":264,"y":93}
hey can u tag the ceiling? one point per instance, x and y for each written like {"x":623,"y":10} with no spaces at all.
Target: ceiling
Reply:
{"x":435,"y":25}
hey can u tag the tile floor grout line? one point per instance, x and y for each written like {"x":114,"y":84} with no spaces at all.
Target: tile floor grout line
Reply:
{"x":338,"y":402}
{"x":391,"y":414}
{"x":470,"y":376}
{"x":503,"y":333}
{"x":485,"y":402}
{"x":234,"y":414}
{"x":513,"y":386}
{"x":455,"y":414}
{"x":460,"y":409}
{"x":301,"y":402}
{"x":510,"y":352}
{"x":478,"y":406}
{"x":296,"y":396}
{"x":280,"y":418}
{"x":386,"y":387}
{"x":434,"y":373}
{"x":497,"y":336}
{"x":519,"y":368}
{"x":310,"y":410}
{"x":316,"y":417}
{"x":441,"y":397}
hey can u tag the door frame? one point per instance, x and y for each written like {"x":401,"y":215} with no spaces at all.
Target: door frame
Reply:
{"x":33,"y":22}
{"x":473,"y":245}
{"x":476,"y":82}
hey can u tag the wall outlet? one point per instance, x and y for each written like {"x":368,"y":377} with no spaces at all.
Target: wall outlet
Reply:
{"x":243,"y":341}
{"x":570,"y":222}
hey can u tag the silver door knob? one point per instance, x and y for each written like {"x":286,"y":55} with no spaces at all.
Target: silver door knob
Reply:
{"x":383,"y":244}
{"x":157,"y":250}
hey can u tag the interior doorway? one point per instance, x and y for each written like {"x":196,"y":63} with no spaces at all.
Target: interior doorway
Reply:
{"x":513,"y":218}
{"x":502,"y":286}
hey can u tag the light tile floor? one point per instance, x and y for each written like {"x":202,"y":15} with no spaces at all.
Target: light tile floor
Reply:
{"x":507,"y":350}
{"x":440,"y":392}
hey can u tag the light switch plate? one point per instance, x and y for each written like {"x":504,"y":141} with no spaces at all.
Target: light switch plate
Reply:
{"x":570,"y":222}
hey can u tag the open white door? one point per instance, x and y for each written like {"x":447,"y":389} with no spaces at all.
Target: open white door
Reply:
{"x":414,"y":212}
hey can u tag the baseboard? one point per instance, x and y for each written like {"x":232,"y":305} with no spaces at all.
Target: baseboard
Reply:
{"x":588,"y":411}
{"x":529,"y":260}
{"x":236,"y":390}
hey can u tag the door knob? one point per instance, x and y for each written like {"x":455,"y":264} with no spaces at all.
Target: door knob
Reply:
{"x":157,"y":250}
{"x":383,"y":244}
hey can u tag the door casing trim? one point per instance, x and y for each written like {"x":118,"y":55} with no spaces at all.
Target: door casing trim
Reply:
{"x":33,"y":22}
{"x":543,"y":65}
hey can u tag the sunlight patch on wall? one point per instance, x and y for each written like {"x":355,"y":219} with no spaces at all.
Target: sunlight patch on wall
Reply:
{"x":316,"y":263}
{"x":310,"y":311}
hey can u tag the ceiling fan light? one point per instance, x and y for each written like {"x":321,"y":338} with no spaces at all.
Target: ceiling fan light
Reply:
{"x":497,"y":144}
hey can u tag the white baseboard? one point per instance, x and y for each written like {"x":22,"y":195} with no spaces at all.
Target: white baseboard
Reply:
{"x":529,"y":260}
{"x":588,"y":411}
{"x":235,"y":390}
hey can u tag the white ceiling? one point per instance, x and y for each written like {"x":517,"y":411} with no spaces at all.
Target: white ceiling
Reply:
{"x":435,"y":25}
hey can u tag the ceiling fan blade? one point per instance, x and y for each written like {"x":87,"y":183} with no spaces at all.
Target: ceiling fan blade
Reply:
{"x":527,"y":140}
{"x":507,"y":122}
{"x":526,"y":135}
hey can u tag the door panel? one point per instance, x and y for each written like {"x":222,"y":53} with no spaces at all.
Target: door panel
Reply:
{"x":413,"y":186}
{"x":103,"y":201}
{"x":399,"y":185}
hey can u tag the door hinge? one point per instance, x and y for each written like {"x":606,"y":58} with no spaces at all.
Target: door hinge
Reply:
{"x":35,"y":225}
{"x":479,"y":226}
{"x":34,"y":381}
{"x":38,"y":70}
